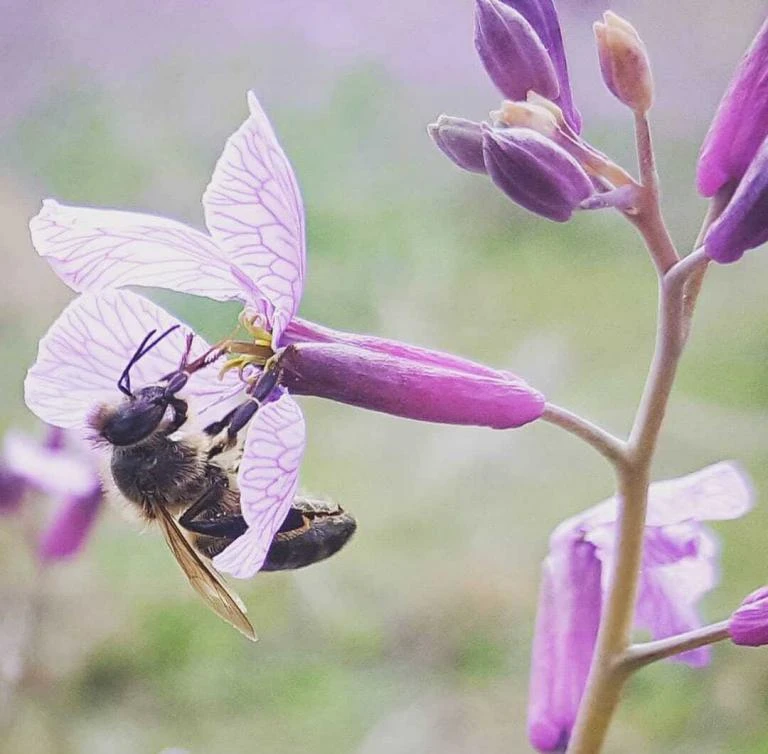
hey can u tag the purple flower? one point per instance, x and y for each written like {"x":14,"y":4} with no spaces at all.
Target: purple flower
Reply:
{"x":66,"y":474}
{"x":748,"y":625}
{"x":542,"y":16}
{"x":254,"y":253}
{"x":743,"y":225}
{"x":535,"y":172}
{"x":679,"y":567}
{"x":740,"y":124}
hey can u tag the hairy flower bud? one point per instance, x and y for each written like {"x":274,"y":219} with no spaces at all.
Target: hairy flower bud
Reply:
{"x":512,"y":52}
{"x":535,"y":172}
{"x":748,"y":625}
{"x":740,"y":124}
{"x":461,"y":140}
{"x":624,"y":62}
{"x":743,"y":224}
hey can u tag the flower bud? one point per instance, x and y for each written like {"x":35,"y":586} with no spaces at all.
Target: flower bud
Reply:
{"x":512,"y":52}
{"x":749,"y":624}
{"x":624,"y":62}
{"x":535,"y":172}
{"x":461,"y":140}
{"x":72,"y":523}
{"x":743,"y":224}
{"x":427,"y":387}
{"x":740,"y":124}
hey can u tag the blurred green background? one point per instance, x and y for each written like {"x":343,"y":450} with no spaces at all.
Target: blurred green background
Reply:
{"x":416,"y":637}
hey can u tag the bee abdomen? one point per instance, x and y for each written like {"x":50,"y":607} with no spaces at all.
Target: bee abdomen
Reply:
{"x":313,"y":531}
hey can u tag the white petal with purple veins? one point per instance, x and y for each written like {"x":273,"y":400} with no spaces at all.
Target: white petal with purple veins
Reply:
{"x":84,"y":352}
{"x":267,"y":479}
{"x":254,"y":211}
{"x":93,"y":249}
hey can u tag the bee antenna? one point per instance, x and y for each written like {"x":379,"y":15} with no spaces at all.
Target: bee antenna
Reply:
{"x":124,"y":383}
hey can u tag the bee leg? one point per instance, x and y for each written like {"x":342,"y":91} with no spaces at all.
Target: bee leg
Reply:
{"x":224,"y":527}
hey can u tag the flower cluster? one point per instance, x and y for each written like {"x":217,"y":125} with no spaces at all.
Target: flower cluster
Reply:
{"x":531,"y":148}
{"x":254,"y":252}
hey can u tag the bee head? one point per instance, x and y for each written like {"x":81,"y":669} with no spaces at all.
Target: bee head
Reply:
{"x":141,"y":413}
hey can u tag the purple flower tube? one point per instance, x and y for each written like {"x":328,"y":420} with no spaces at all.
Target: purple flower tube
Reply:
{"x":740,"y":124}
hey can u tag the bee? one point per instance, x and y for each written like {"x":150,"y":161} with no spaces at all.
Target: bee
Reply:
{"x":185,"y":483}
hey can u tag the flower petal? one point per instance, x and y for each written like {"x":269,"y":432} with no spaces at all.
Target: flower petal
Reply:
{"x":84,"y":352}
{"x":570,"y":602}
{"x":93,"y":249}
{"x":68,"y":532}
{"x":54,"y":472}
{"x":268,"y":477}
{"x":718,"y":492}
{"x":669,"y":593}
{"x":254,"y":211}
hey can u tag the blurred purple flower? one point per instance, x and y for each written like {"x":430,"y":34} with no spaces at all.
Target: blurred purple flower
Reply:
{"x":679,"y":567}
{"x":740,"y":124}
{"x":535,"y":172}
{"x":255,"y":253}
{"x":743,"y":225}
{"x":748,"y":625}
{"x":67,"y":475}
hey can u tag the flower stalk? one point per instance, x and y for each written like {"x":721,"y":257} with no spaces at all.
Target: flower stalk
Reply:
{"x":632,"y":462}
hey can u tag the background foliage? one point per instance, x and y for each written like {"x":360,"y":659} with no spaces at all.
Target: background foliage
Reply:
{"x":415,"y":638}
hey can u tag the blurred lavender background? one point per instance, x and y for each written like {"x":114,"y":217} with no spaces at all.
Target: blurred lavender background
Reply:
{"x":415,"y":638}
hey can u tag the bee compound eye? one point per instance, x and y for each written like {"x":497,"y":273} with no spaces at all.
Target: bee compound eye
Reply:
{"x":133,"y":422}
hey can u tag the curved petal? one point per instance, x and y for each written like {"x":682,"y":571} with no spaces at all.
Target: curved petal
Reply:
{"x":719,"y":492}
{"x":268,"y":478}
{"x":93,"y":249}
{"x":84,"y":352}
{"x":254,"y":211}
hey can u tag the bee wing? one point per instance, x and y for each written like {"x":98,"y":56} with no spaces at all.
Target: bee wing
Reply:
{"x":205,"y":581}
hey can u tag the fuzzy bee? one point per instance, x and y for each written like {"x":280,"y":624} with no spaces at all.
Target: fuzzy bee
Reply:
{"x":186,"y":483}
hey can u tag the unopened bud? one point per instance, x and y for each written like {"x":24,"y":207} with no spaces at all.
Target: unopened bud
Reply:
{"x":624,"y":62}
{"x":460,"y":140}
{"x":512,"y":52}
{"x":749,"y":624}
{"x":535,"y":172}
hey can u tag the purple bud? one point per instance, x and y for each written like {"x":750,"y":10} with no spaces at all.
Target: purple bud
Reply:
{"x":749,"y":624}
{"x":70,"y":527}
{"x":542,"y":16}
{"x":535,"y":172}
{"x":512,"y":52}
{"x":460,"y":140}
{"x":743,"y":224}
{"x":740,"y":124}
{"x":414,"y":389}
{"x":12,"y":488}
